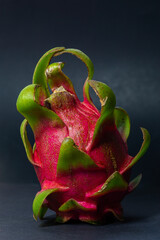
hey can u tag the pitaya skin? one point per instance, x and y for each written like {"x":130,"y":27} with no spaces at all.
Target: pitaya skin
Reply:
{"x":80,"y":154}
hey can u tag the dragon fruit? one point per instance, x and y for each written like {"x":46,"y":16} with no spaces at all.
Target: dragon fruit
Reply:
{"x":80,"y":154}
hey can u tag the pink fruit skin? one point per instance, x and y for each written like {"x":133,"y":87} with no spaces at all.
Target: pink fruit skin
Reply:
{"x":48,"y":142}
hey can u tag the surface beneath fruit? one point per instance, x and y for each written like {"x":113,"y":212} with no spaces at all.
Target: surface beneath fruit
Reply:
{"x":141,"y":212}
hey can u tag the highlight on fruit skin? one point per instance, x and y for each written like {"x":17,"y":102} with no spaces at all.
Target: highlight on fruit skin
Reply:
{"x":80,"y":154}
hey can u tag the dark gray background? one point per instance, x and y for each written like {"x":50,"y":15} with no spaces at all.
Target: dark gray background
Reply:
{"x":122,"y":38}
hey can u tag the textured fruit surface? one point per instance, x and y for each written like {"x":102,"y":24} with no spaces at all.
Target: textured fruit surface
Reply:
{"x":80,"y":154}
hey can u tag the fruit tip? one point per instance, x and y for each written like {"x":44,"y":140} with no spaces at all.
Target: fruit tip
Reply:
{"x":35,"y":218}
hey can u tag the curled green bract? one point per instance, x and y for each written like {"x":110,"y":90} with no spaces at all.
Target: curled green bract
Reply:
{"x":39,"y":76}
{"x":84,"y":58}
